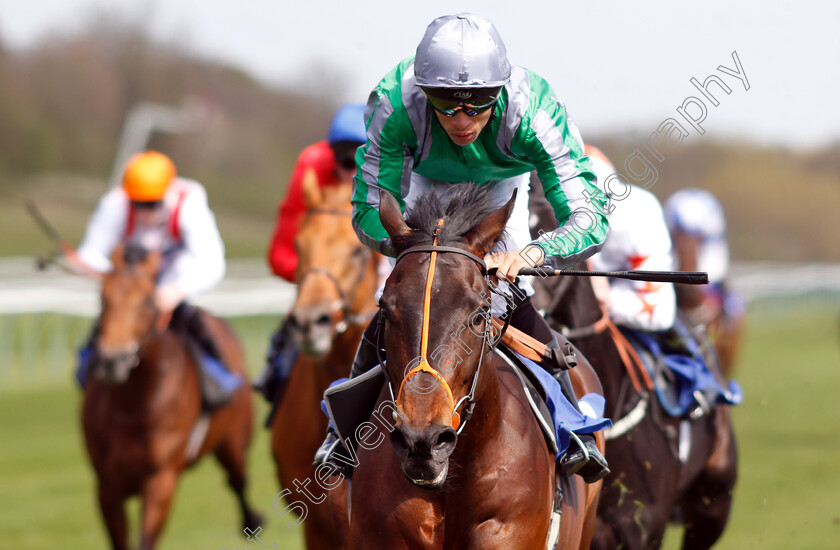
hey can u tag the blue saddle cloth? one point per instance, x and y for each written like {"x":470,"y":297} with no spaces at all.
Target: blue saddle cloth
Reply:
{"x":564,"y":414}
{"x":690,"y":373}
{"x":226,"y":380}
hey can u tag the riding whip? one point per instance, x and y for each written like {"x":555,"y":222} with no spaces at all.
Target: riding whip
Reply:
{"x":682,"y":277}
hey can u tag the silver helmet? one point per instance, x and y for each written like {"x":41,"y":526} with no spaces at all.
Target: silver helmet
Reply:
{"x":461,"y":51}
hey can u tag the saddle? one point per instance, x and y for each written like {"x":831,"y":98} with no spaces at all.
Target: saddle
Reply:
{"x":684,"y":381}
{"x":217,"y":383}
{"x":555,"y":414}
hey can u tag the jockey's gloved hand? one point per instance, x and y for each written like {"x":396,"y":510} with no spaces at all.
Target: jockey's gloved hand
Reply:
{"x":168,"y":296}
{"x":509,"y":264}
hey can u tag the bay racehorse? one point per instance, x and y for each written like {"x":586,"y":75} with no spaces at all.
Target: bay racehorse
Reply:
{"x":649,"y":484}
{"x":142,"y":412}
{"x":445,"y":479}
{"x":337,"y":279}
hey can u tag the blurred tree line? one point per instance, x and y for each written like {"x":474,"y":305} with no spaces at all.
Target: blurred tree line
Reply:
{"x":780,"y":204}
{"x":63,"y":102}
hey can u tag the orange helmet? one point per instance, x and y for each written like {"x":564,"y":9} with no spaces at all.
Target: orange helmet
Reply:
{"x":147,"y":175}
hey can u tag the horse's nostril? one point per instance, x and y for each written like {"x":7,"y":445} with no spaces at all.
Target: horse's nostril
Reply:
{"x":444,"y":444}
{"x":400,"y":442}
{"x":323,"y":320}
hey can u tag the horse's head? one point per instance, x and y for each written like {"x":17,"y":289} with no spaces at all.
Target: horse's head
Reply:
{"x":436,"y":309}
{"x":128,"y":312}
{"x":332,"y":265}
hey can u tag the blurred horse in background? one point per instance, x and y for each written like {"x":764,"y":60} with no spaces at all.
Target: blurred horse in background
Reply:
{"x":142,"y":413}
{"x":662,"y":467}
{"x":337,"y":281}
{"x":716,"y":307}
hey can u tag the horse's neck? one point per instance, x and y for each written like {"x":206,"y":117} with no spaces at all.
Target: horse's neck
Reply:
{"x":487,"y":415}
{"x":164,"y":357}
{"x":338,"y":361}
{"x":365,"y":291}
{"x":580,"y":307}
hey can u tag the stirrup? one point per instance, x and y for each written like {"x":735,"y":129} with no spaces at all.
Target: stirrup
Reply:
{"x":586,"y":460}
{"x":326,"y":455}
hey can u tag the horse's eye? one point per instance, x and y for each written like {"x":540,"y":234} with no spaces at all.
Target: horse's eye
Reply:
{"x":476,"y":320}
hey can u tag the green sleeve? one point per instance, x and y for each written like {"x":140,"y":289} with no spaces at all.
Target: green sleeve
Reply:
{"x":384,"y":163}
{"x":551,"y":142}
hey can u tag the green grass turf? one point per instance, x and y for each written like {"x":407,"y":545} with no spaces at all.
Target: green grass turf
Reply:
{"x":47,"y":485}
{"x":786,"y":498}
{"x":788,"y":434}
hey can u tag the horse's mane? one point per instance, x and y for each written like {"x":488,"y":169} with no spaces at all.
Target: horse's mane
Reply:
{"x":462,"y":207}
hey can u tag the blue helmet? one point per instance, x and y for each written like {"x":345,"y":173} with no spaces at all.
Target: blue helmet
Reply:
{"x":348,"y":124}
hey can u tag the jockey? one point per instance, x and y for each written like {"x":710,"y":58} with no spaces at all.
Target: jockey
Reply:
{"x":698,"y":229}
{"x":333,"y":162}
{"x":459,"y":112}
{"x":156,"y":210}
{"x":638,"y":239}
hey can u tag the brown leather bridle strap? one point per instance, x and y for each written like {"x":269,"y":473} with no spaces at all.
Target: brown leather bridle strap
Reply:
{"x":525,"y":345}
{"x":330,"y":211}
{"x":632,"y":361}
{"x":438,"y":249}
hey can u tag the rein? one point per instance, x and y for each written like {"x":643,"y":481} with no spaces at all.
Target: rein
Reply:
{"x":423,"y":365}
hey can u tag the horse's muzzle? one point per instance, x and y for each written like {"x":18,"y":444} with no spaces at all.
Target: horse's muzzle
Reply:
{"x":313,"y":330}
{"x":114,"y":366}
{"x":424,"y":454}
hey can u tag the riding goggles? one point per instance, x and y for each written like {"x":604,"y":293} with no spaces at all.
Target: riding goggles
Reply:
{"x":147,"y":205}
{"x":472,"y":101}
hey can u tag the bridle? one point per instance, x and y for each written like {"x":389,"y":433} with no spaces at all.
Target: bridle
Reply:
{"x":486,"y":342}
{"x":348,"y":317}
{"x":131,"y":355}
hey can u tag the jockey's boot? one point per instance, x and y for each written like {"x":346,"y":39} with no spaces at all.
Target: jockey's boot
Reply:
{"x":216,"y":381}
{"x":585,"y":460}
{"x":282,"y":354}
{"x":333,"y":451}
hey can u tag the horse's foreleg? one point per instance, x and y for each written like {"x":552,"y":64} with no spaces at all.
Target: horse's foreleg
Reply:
{"x":232,"y":459}
{"x":709,"y":498}
{"x":113,"y":512}
{"x":592,"y":498}
{"x":157,"y":493}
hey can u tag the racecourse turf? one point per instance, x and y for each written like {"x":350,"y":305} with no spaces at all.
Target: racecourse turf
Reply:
{"x":787,"y":431}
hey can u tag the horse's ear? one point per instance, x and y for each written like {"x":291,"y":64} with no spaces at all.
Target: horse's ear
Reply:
{"x":391,"y":216}
{"x":312,"y":196}
{"x":481,"y":238}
